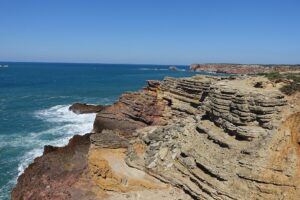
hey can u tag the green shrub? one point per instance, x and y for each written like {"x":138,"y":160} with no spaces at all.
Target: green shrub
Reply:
{"x":273,"y":75}
{"x":294,"y":77}
{"x":291,"y":88}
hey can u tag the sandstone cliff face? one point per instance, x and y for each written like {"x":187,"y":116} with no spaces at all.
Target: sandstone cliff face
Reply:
{"x":236,"y":146}
{"x":199,"y":137}
{"x":132,"y":111}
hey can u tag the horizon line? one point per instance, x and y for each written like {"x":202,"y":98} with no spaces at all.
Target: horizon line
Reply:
{"x":109,"y":63}
{"x":92,"y":63}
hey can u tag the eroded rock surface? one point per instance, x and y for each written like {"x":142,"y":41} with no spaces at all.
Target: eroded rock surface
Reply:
{"x":131,"y":111}
{"x":235,"y":145}
{"x":53,"y":175}
{"x":188,"y":138}
{"x":82,"y":108}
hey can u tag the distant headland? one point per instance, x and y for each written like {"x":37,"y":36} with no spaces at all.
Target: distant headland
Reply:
{"x":243,"y":68}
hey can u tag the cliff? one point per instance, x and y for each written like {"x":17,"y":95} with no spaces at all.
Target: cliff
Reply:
{"x":181,"y":138}
{"x":242,"y":68}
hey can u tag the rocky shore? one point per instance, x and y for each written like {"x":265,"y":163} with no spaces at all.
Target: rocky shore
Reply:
{"x":201,"y":137}
{"x":82,"y":108}
{"x":243,"y":68}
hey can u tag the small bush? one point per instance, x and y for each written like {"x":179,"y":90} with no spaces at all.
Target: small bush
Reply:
{"x":273,"y":75}
{"x":294,"y":77}
{"x":291,"y":88}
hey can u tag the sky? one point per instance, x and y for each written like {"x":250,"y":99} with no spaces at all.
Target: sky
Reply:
{"x":150,"y":31}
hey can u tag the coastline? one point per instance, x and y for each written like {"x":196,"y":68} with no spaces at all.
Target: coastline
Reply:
{"x":120,"y":128}
{"x":24,"y":100}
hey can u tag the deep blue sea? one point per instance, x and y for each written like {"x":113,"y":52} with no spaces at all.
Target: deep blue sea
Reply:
{"x":34,"y":101}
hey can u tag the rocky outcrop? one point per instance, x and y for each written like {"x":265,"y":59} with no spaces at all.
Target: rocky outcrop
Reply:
{"x":201,"y":137}
{"x":81,"y":108}
{"x":185,"y":94}
{"x":236,"y":146}
{"x":109,"y":139}
{"x":132,"y":111}
{"x":242,"y":68}
{"x":245,"y":114}
{"x":55,"y":174}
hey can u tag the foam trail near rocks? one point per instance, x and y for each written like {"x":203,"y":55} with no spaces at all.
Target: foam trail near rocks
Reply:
{"x":64,"y":123}
{"x":154,"y":69}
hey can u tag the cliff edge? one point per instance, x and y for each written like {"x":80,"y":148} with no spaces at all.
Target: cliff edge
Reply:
{"x":201,"y":137}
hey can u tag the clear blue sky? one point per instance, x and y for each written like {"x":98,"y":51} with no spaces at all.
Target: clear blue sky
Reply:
{"x":150,"y":31}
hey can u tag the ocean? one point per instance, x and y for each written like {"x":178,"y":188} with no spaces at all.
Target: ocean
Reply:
{"x":34,"y":101}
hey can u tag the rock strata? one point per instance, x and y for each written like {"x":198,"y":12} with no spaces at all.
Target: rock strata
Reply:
{"x":109,"y":139}
{"x":229,"y":147}
{"x":201,"y":137}
{"x":132,"y":111}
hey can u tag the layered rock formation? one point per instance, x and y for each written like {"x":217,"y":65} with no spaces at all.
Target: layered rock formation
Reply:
{"x":242,"y":68}
{"x":230,"y":148}
{"x":187,"y":138}
{"x":131,"y":111}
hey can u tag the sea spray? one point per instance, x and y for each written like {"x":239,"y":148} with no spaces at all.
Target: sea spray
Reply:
{"x":65,"y":124}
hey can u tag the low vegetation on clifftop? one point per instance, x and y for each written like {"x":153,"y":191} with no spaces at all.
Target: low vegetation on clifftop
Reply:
{"x":292,"y":81}
{"x":243,"y":68}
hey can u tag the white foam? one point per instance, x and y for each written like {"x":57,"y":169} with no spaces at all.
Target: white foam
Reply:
{"x":161,"y":69}
{"x":65,"y":125}
{"x":153,"y":69}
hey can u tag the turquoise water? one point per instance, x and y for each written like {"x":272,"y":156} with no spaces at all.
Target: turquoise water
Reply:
{"x":34,"y":101}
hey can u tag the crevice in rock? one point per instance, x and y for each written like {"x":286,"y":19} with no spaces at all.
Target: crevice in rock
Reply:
{"x":207,"y":171}
{"x":203,"y":96}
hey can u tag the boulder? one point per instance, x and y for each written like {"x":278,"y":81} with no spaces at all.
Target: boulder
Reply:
{"x":82,"y":108}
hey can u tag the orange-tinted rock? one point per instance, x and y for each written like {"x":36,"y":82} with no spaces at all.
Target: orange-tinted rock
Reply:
{"x":110,"y":172}
{"x":133,"y":110}
{"x":81,"y":108}
{"x":52,"y":175}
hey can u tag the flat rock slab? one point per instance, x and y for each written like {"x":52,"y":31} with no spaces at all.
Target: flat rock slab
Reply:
{"x":108,"y":139}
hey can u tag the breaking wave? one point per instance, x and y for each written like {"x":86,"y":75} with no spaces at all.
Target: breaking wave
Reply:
{"x":63,"y":125}
{"x":58,"y":125}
